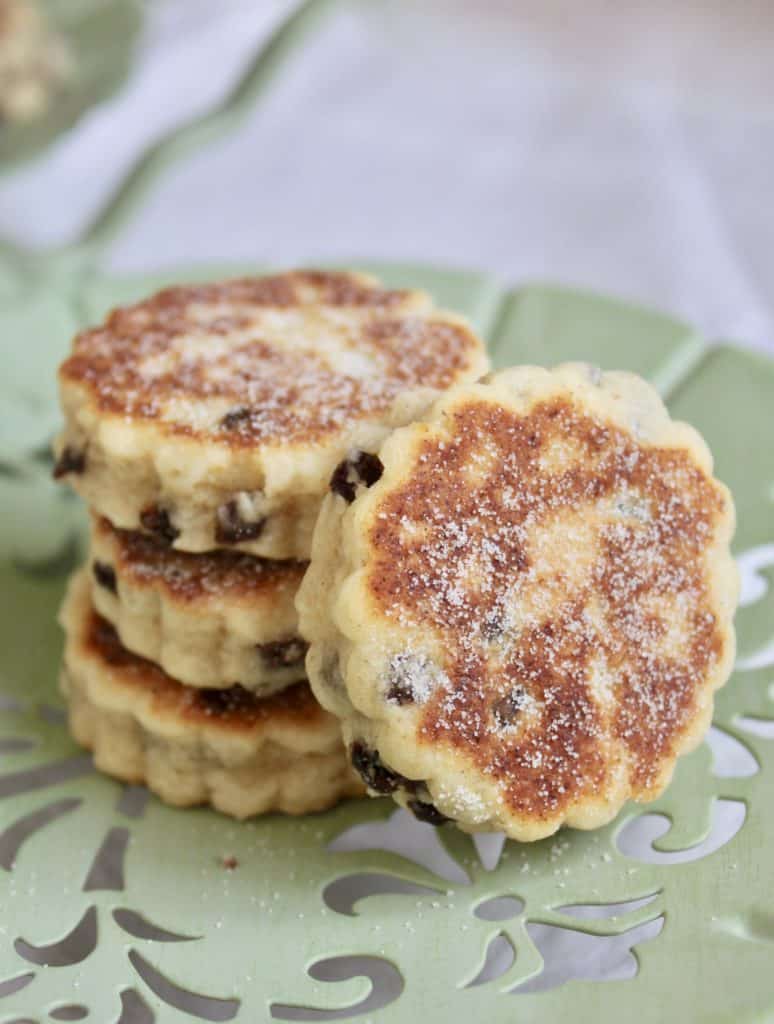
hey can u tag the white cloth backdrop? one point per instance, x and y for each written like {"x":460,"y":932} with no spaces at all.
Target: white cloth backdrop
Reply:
{"x":628,"y":148}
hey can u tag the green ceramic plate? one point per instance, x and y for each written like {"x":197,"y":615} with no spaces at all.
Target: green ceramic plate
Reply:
{"x":99,"y":36}
{"x":114,"y":906}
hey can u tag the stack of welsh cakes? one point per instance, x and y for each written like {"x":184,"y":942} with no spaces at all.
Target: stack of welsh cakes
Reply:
{"x":204,"y":427}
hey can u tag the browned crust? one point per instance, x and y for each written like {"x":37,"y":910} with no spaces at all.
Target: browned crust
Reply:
{"x":234,"y":710}
{"x":273,"y":394}
{"x":542,"y":769}
{"x":145,"y":560}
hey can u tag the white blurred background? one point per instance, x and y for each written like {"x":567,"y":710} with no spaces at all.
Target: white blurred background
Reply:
{"x":625,"y":147}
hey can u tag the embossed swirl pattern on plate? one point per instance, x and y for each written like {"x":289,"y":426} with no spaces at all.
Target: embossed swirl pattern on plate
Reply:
{"x":362,"y":912}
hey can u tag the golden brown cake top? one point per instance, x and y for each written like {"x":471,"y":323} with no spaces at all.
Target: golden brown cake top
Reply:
{"x":291,"y":358}
{"x":146,"y":559}
{"x":560,"y":568}
{"x":234,"y":709}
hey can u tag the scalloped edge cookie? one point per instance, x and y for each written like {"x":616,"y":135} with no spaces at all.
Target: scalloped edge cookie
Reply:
{"x":208,"y":620}
{"x":242,"y":755}
{"x":480,"y":619}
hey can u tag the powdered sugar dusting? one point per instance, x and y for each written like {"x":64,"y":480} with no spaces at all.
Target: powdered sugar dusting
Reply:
{"x":299,"y":356}
{"x":564,"y":576}
{"x":413,"y":678}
